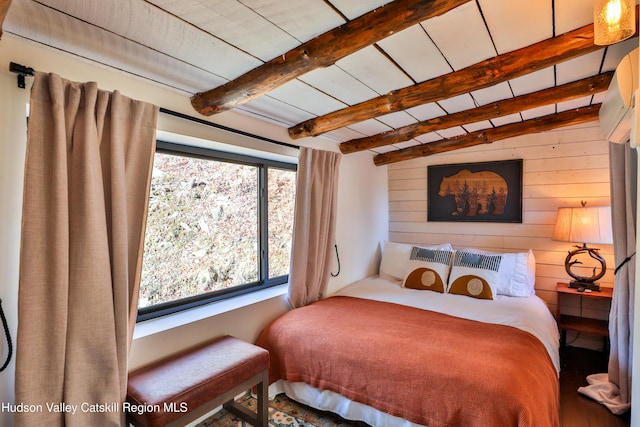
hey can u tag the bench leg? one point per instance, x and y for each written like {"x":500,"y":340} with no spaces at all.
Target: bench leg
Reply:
{"x":263,"y":400}
{"x":261,"y":418}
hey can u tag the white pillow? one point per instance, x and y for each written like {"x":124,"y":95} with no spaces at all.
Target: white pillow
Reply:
{"x":517,"y":273}
{"x":522,"y":281}
{"x":395,"y":257}
{"x":474,"y":275}
{"x":428,"y":269}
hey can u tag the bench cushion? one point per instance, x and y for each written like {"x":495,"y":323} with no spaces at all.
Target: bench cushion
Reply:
{"x":194,"y":376}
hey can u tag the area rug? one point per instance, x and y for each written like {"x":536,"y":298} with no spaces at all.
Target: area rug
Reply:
{"x":283,"y":412}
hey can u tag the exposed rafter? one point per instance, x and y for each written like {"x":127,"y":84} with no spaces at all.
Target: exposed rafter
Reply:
{"x":4,"y":9}
{"x":540,"y":124}
{"x":481,"y":75}
{"x":321,"y":51}
{"x":553,"y":95}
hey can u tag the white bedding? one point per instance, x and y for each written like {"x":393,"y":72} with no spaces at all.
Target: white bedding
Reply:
{"x":529,"y":314}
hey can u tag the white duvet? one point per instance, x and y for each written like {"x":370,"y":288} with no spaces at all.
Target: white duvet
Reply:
{"x":529,"y":314}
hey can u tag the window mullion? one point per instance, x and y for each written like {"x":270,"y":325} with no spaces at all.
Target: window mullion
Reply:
{"x":263,"y":224}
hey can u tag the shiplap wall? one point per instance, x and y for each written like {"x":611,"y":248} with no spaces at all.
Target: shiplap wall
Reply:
{"x":560,"y":168}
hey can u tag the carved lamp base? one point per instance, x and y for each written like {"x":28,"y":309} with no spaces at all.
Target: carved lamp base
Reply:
{"x":584,"y":285}
{"x":580,"y":281}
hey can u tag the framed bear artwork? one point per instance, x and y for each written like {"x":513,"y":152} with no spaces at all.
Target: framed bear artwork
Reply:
{"x":475,"y":192}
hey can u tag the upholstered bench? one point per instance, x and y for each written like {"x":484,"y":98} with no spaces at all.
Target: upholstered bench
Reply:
{"x":182,"y":387}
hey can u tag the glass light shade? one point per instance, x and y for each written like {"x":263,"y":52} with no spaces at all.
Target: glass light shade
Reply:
{"x":584,"y":225}
{"x":613,"y":21}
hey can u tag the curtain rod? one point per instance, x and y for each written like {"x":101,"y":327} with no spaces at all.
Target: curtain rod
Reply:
{"x":222,"y":127}
{"x":23,"y":71}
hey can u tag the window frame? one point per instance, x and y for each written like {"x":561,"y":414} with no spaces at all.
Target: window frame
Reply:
{"x":263,"y":282}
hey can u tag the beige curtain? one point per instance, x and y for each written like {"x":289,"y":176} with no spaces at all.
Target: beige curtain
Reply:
{"x":314,"y":225}
{"x":87,"y":174}
{"x":613,"y":389}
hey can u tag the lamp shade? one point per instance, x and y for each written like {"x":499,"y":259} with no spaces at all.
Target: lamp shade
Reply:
{"x":613,"y":21}
{"x":584,"y":225}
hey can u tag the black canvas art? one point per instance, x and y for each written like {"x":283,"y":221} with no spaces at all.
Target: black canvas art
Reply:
{"x":480,"y":192}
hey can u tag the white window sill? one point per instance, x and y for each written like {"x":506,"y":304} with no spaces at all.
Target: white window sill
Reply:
{"x":154,"y":326}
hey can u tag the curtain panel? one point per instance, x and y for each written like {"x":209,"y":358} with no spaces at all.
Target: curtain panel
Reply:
{"x":87,"y":175}
{"x":314,"y":225}
{"x":613,"y":389}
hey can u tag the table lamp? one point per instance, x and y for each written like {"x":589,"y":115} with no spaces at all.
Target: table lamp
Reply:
{"x":584,"y":225}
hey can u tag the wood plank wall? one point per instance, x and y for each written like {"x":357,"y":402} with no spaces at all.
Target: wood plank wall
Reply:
{"x":560,"y":168}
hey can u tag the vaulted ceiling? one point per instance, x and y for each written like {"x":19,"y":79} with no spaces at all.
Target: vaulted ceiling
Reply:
{"x":403,"y":78}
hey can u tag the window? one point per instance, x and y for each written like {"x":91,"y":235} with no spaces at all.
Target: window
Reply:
{"x":219,"y":225}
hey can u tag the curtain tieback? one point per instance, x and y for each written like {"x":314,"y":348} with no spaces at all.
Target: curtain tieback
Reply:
{"x":338,"y":258}
{"x":8,"y":335}
{"x":626,"y":260}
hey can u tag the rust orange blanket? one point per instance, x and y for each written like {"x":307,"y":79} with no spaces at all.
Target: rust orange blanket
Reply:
{"x":429,"y":368}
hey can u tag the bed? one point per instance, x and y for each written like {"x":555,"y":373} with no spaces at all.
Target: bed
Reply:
{"x":391,"y":354}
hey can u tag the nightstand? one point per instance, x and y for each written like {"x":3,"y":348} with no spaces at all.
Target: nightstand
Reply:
{"x":582,"y":324}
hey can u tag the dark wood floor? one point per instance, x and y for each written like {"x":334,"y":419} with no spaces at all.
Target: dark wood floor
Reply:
{"x":575,"y":409}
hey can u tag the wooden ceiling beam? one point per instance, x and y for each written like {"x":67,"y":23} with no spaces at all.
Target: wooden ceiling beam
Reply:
{"x":478,"y":76}
{"x":4,"y":9}
{"x":553,"y":95}
{"x":487,"y":136}
{"x":321,"y":51}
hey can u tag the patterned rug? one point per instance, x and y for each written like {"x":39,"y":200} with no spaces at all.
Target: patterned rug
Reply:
{"x":283,"y":412}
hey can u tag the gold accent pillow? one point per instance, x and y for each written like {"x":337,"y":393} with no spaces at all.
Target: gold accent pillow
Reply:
{"x":474,"y":275}
{"x":428,"y":269}
{"x":471,"y":286}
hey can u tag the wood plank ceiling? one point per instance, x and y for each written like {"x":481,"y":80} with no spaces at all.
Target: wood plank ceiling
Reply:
{"x":403,"y":79}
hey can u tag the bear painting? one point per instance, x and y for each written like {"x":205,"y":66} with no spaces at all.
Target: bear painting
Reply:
{"x":476,"y":193}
